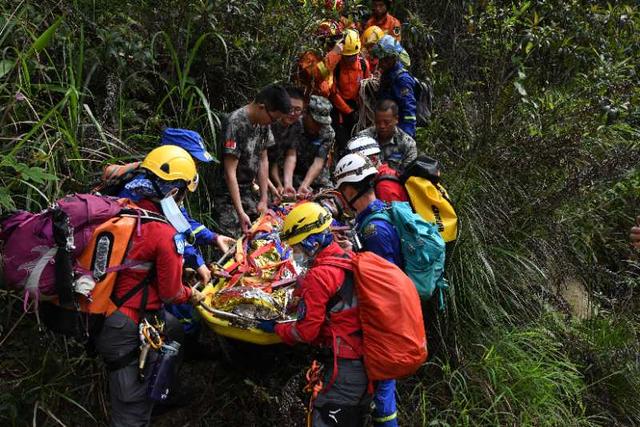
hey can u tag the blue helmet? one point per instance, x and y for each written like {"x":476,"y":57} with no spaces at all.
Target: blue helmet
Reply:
{"x":189,"y":140}
{"x":387,"y":46}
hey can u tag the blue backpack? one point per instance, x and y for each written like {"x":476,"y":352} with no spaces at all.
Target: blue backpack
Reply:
{"x":422,"y":248}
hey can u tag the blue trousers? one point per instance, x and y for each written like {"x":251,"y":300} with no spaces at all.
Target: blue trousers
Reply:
{"x":385,"y":413}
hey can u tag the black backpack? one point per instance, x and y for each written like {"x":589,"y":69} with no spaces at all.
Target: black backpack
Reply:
{"x":423,"y":91}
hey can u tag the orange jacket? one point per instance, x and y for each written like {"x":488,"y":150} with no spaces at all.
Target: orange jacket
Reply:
{"x":316,"y":73}
{"x":389,"y":24}
{"x":347,"y":84}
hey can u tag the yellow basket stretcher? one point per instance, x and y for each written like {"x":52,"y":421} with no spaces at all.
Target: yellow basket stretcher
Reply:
{"x":224,"y":327}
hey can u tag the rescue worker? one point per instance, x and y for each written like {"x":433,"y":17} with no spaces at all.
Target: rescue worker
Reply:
{"x":396,"y":83}
{"x":116,"y":176}
{"x":192,"y":142}
{"x":398,"y":148}
{"x":388,"y":186}
{"x":381,"y":18}
{"x":309,"y":149}
{"x":345,"y":96}
{"x":169,"y":173}
{"x":287,"y":133}
{"x":355,"y":177}
{"x":312,"y":153}
{"x":370,"y":37}
{"x":315,"y":69}
{"x":327,"y":317}
{"x":246,"y":138}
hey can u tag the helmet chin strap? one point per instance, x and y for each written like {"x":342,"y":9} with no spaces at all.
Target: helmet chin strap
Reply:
{"x":156,"y":187}
{"x":359,"y":194}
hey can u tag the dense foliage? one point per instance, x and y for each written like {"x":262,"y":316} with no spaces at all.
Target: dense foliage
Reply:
{"x":537,"y":122}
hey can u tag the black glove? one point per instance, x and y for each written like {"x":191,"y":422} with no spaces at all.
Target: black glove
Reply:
{"x":268,"y":326}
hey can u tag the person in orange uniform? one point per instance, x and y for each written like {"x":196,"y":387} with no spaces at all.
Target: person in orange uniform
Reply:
{"x":315,"y":71}
{"x":345,"y":96}
{"x":370,"y":37}
{"x":383,"y":19}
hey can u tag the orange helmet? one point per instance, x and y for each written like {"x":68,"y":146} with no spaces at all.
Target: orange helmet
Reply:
{"x":372,"y":35}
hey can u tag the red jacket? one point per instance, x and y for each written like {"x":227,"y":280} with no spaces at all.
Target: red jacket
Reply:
{"x":155,"y":246}
{"x":390,"y":190}
{"x":321,"y":283}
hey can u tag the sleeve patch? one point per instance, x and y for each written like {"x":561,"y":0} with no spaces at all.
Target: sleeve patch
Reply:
{"x":369,"y":231}
{"x":230,"y":144}
{"x":404,"y":91}
{"x":180,"y":242}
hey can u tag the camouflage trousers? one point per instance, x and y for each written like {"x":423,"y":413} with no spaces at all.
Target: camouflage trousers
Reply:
{"x":226,"y":215}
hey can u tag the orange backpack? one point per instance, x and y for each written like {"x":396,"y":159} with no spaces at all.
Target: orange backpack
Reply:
{"x":103,"y":258}
{"x":394,"y":339}
{"x":96,"y":270}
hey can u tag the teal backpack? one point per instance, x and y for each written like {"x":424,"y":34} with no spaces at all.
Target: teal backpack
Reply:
{"x":422,"y":248}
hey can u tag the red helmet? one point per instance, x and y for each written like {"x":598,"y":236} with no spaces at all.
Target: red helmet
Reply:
{"x":329,"y":28}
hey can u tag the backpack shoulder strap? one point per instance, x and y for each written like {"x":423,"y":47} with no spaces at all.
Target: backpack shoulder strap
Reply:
{"x":344,"y":293}
{"x":346,"y":290}
{"x":381,"y":214}
{"x":142,"y":286}
{"x":142,"y":214}
{"x":336,"y":261}
{"x":388,"y":178}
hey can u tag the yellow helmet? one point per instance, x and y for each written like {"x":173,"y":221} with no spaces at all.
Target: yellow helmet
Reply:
{"x":170,"y":162}
{"x":351,"y":43}
{"x":372,"y":35}
{"x":304,"y":220}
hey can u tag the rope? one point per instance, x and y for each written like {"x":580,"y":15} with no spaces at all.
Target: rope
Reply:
{"x":368,"y":89}
{"x":314,"y":386}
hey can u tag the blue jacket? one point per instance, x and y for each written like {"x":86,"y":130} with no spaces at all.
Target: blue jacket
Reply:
{"x":397,"y":84}
{"x":379,"y":236}
{"x":203,"y":236}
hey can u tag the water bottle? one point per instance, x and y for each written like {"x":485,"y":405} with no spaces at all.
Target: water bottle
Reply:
{"x":163,"y":370}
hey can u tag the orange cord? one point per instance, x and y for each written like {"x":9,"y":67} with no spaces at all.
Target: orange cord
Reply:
{"x":314,"y":386}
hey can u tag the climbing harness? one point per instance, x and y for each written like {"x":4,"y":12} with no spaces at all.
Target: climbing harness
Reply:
{"x":150,"y":338}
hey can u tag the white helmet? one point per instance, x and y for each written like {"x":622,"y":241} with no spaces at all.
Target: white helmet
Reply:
{"x":353,"y":168}
{"x":364,"y":145}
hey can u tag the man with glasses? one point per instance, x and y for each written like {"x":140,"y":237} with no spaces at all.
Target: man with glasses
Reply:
{"x":305,"y":152}
{"x":246,"y":137}
{"x":287,"y":133}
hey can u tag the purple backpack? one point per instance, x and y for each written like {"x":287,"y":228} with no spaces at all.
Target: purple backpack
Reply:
{"x":33,"y":243}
